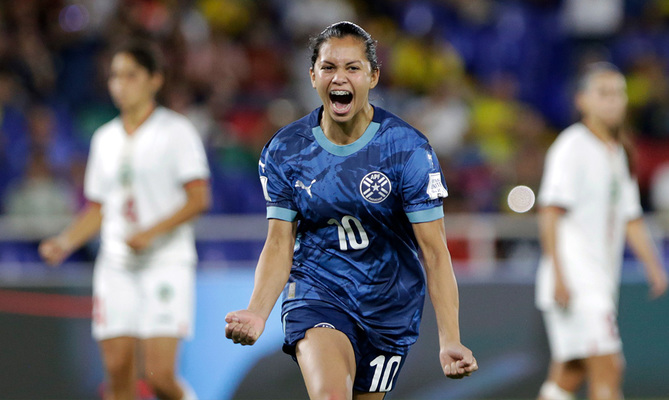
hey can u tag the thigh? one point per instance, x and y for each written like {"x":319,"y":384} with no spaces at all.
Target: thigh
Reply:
{"x":327,"y":361}
{"x":116,"y":301}
{"x":605,"y":368}
{"x":118,"y":353}
{"x":160,"y":355}
{"x":605,"y":376}
{"x":168,"y":294}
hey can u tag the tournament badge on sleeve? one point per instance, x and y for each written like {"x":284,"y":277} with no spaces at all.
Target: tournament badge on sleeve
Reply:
{"x":435,"y":189}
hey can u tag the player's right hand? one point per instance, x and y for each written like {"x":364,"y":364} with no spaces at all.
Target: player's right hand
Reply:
{"x":244,"y":327}
{"x":561,"y":294}
{"x":53,"y":251}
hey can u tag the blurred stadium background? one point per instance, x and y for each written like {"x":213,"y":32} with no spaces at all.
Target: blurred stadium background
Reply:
{"x":489,"y":82}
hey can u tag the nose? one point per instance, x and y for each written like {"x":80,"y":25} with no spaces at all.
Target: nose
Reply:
{"x":339,"y":77}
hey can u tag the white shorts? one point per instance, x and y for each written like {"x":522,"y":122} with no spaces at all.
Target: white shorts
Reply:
{"x":144,"y":302}
{"x":579,"y":334}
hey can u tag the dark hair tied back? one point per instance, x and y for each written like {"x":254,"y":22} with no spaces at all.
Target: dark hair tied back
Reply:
{"x":594,"y":69}
{"x":145,"y":54}
{"x":340,"y":30}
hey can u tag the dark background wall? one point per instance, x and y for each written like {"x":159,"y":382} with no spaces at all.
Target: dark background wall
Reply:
{"x":55,"y":357}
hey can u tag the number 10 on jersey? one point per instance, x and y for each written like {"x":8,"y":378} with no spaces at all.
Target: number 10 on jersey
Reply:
{"x":347,"y":233}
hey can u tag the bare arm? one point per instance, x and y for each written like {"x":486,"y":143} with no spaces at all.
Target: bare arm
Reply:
{"x":641,"y":243}
{"x":86,"y":225}
{"x":549,"y":217}
{"x":457,"y":361}
{"x":198,"y":201}
{"x":272,"y":272}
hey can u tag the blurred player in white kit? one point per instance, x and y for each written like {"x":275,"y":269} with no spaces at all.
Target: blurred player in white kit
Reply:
{"x":146,"y":179}
{"x":589,"y":202}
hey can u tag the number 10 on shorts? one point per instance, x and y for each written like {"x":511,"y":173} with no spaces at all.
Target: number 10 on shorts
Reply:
{"x":384,"y":368}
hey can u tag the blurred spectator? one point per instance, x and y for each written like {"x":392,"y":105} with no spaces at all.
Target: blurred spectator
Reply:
{"x":41,"y":199}
{"x":12,"y":123}
{"x":659,"y":189}
{"x":443,"y":116}
{"x":648,"y":91}
{"x":486,"y":81}
{"x":593,"y":18}
{"x":494,"y":114}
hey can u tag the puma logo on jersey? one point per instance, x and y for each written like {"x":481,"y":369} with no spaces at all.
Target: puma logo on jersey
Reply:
{"x":301,"y":185}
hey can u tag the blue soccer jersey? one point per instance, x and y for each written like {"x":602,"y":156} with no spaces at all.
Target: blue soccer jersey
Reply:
{"x":354,"y":204}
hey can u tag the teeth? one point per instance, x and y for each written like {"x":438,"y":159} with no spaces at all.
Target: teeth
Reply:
{"x":340,"y":92}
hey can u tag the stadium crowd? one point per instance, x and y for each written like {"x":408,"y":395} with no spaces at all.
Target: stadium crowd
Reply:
{"x":489,"y":82}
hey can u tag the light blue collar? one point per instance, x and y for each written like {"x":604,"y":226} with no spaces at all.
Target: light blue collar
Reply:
{"x":346,"y":149}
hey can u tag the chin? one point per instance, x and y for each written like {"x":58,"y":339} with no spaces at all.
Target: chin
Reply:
{"x":340,"y":117}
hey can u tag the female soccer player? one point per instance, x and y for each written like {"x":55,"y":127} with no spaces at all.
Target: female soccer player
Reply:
{"x":352,"y":193}
{"x":590,"y":202}
{"x":146,"y":178}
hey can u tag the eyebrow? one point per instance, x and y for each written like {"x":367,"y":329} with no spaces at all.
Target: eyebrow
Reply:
{"x":347,"y":63}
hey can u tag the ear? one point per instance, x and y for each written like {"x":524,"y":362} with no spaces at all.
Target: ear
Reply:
{"x":312,"y":75}
{"x":157,"y":81}
{"x":375,"y":78}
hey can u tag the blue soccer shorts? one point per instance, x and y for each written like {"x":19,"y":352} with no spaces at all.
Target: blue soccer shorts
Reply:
{"x":376,"y":370}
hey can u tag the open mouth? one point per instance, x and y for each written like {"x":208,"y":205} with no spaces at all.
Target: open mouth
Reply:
{"x":341,"y":100}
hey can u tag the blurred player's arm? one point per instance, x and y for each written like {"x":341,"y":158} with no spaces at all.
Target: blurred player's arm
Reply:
{"x":641,"y":243}
{"x":272,"y":272}
{"x":86,"y":225}
{"x":457,"y":360}
{"x":198,"y":200}
{"x":549,"y":216}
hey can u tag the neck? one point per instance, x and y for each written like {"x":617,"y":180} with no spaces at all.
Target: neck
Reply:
{"x":347,"y":132}
{"x":599,"y":129}
{"x":135,"y":117}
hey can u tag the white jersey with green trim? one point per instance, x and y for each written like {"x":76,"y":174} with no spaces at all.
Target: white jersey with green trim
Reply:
{"x":590,"y":179}
{"x":139,"y":180}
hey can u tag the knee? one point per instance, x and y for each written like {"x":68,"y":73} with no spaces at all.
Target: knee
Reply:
{"x":333,"y":395}
{"x":161,"y":378}
{"x":330,"y":392}
{"x":604,"y":391}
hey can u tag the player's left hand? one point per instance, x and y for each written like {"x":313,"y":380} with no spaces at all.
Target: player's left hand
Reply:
{"x":457,"y":361}
{"x":658,"y":284}
{"x":244,"y":327}
{"x":140,"y":241}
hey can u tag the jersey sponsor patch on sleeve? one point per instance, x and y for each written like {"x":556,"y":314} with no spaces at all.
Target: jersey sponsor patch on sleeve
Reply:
{"x":435,"y":189}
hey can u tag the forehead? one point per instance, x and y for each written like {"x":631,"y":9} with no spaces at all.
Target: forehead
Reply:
{"x":347,"y":48}
{"x":124,"y":60}
{"x":606,"y":79}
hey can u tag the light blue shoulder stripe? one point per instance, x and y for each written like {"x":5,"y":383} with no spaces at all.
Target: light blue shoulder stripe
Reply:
{"x":281,"y":213}
{"x":347,"y":149}
{"x":428,"y":215}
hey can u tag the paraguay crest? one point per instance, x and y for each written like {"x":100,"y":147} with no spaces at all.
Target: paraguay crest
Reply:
{"x":375,"y":187}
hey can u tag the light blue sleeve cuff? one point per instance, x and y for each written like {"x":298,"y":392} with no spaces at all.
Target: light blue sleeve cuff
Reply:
{"x":428,"y":215}
{"x":281,"y":213}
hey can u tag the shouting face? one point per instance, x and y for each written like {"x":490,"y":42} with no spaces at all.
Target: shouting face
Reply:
{"x":342,"y":75}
